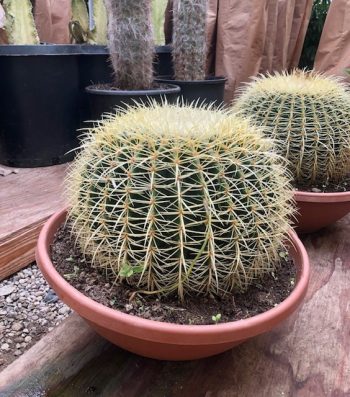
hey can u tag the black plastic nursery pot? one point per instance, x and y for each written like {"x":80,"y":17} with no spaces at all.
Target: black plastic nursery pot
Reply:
{"x":104,"y":101}
{"x":96,"y":70}
{"x":43,"y":100}
{"x":208,"y":91}
{"x":39,"y":104}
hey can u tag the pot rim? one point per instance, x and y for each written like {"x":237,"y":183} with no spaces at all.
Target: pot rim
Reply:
{"x":51,"y":49}
{"x":164,"y":332}
{"x":168,"y":89}
{"x":210,"y":80}
{"x":332,"y":197}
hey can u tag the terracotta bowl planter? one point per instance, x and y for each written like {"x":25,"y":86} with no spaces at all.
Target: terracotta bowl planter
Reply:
{"x":161,"y":340}
{"x":318,"y":210}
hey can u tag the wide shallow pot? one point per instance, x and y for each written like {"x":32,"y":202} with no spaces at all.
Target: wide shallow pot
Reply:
{"x":209,"y":91}
{"x":318,"y":210}
{"x":107,"y":100}
{"x":162,"y":340}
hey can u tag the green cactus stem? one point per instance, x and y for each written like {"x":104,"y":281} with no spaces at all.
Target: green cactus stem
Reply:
{"x":307,"y":114}
{"x":19,"y":22}
{"x":130,"y":40}
{"x":194,"y":201}
{"x":189,"y":45}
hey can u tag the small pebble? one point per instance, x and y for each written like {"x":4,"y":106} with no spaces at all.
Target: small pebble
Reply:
{"x":50,"y":297}
{"x":316,"y":190}
{"x":17,"y":326}
{"x":5,"y":346}
{"x":7,"y":289}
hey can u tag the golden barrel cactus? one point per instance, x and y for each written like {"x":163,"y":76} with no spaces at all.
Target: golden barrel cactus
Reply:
{"x":307,"y":114}
{"x":179,"y":200}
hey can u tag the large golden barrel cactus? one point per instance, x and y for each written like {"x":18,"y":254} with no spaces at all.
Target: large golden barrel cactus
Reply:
{"x":308,"y":116}
{"x":183,"y":200}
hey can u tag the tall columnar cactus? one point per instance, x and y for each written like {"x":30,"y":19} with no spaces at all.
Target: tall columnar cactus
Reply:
{"x":19,"y":23}
{"x":185,"y":200}
{"x":308,"y":115}
{"x":130,"y":40}
{"x":189,"y":45}
{"x":79,"y":25}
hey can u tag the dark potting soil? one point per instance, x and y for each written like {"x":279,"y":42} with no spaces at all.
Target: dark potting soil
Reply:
{"x":330,"y":187}
{"x":261,"y":296}
{"x":111,"y":87}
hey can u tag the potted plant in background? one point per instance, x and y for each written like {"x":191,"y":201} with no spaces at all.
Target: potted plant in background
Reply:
{"x":179,"y":207}
{"x":42,"y":102}
{"x":307,"y":114}
{"x":189,"y":54}
{"x":131,"y":47}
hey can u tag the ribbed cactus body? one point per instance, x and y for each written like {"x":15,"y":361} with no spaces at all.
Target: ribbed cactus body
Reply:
{"x":189,"y":41}
{"x":307,"y":114}
{"x":192,"y":199}
{"x":130,"y":40}
{"x":19,"y":22}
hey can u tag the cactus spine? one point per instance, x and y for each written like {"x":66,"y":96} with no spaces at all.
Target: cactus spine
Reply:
{"x":189,"y":45}
{"x":307,"y":114}
{"x":19,"y":22}
{"x":79,"y":25}
{"x":131,"y":44}
{"x":196,"y":201}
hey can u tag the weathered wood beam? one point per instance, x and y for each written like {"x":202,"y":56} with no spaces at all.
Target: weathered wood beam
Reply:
{"x":56,"y":357}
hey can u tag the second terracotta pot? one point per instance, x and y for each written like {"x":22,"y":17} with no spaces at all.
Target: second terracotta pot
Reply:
{"x":318,"y":210}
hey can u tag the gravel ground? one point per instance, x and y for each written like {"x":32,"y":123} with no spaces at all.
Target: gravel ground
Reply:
{"x":29,"y":309}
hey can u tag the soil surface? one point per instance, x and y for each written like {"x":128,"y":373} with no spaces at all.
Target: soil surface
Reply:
{"x":263,"y":295}
{"x":331,"y":187}
{"x":111,"y":87}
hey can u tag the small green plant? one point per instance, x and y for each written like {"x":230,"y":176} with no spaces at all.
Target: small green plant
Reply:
{"x":216,"y":318}
{"x":74,"y":274}
{"x":130,"y":41}
{"x":19,"y":22}
{"x":307,"y":114}
{"x":189,"y":46}
{"x":184,"y":200}
{"x":127,"y":270}
{"x":79,"y":26}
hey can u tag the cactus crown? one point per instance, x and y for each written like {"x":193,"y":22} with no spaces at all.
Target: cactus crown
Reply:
{"x":19,"y":23}
{"x":307,"y":114}
{"x":194,"y":200}
{"x":189,"y":45}
{"x":130,"y":41}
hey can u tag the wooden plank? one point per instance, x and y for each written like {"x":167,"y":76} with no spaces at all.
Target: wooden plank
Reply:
{"x":307,"y":356}
{"x":53,"y":358}
{"x":17,"y":250}
{"x":27,"y":199}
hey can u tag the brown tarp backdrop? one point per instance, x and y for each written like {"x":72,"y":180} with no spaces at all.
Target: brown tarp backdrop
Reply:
{"x":255,"y":36}
{"x":333,"y":54}
{"x":52,"y":18}
{"x":248,"y":37}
